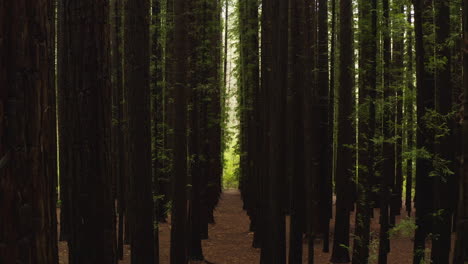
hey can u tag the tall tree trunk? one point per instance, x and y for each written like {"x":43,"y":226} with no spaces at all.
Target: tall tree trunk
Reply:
{"x":27,"y":133}
{"x":299,"y":65}
{"x":461,"y":247}
{"x":409,"y":111}
{"x":443,"y":183}
{"x":274,"y":56}
{"x":137,"y":81}
{"x":326,"y":121}
{"x":367,"y":96}
{"x":425,"y":101}
{"x":84,"y":76}
{"x":157,"y":114}
{"x":344,"y":177}
{"x":179,"y":210}
{"x":398,"y":17}
{"x":117,"y":94}
{"x":331,"y":119}
{"x":388,"y":168}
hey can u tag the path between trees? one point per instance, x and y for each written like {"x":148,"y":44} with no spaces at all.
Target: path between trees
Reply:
{"x":230,"y":241}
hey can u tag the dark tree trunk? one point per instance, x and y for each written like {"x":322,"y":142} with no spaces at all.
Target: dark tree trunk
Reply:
{"x":299,"y":63}
{"x":425,"y":101}
{"x":27,"y":133}
{"x":388,"y":151}
{"x":461,"y":246}
{"x":118,"y":132}
{"x":179,"y":209}
{"x":326,"y":121}
{"x":367,"y":96}
{"x":157,"y":114}
{"x":249,"y":86}
{"x":344,"y":177}
{"x":274,"y":58}
{"x":84,"y":76}
{"x":137,"y":81}
{"x":409,"y":111}
{"x":331,"y":127}
{"x":444,"y":184}
{"x":64,"y":133}
{"x":398,"y":52}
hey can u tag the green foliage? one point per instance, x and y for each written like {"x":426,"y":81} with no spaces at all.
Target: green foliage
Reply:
{"x":405,"y":228}
{"x":231,"y":165}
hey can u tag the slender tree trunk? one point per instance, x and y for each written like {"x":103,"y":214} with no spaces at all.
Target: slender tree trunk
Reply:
{"x":157,"y":114}
{"x":409,"y":110}
{"x":367,"y":96}
{"x":331,"y":123}
{"x":299,"y":51}
{"x":326,"y":149}
{"x":388,"y":168}
{"x":344,"y":176}
{"x":181,"y":89}
{"x":117,"y":93}
{"x":398,"y":15}
{"x":443,"y":183}
{"x":425,"y":101}
{"x":461,"y":247}
{"x":137,"y":81}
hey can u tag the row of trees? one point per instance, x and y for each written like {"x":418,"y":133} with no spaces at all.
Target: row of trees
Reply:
{"x":134,"y":102}
{"x":125,"y":97}
{"x":366,"y":96}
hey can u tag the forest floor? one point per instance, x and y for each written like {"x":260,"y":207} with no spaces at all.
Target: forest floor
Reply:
{"x":230,"y":240}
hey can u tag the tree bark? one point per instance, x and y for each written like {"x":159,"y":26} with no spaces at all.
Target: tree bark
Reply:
{"x":344,"y":177}
{"x":137,"y":81}
{"x":28,"y":169}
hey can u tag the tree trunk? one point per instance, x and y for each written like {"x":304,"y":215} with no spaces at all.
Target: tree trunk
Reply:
{"x":425,"y":101}
{"x":84,"y":76}
{"x":137,"y":81}
{"x":409,"y":110}
{"x":326,"y":121}
{"x":444,"y":184}
{"x":367,"y":96}
{"x":461,"y":246}
{"x":274,"y":55}
{"x":179,"y":209}
{"x":27,"y":133}
{"x":344,"y":177}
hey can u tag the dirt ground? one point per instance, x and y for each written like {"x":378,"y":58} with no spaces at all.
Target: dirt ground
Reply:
{"x":230,"y":241}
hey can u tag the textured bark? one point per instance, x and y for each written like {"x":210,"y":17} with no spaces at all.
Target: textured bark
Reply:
{"x":344,"y":177}
{"x":27,"y":133}
{"x":85,"y":80}
{"x":137,"y":81}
